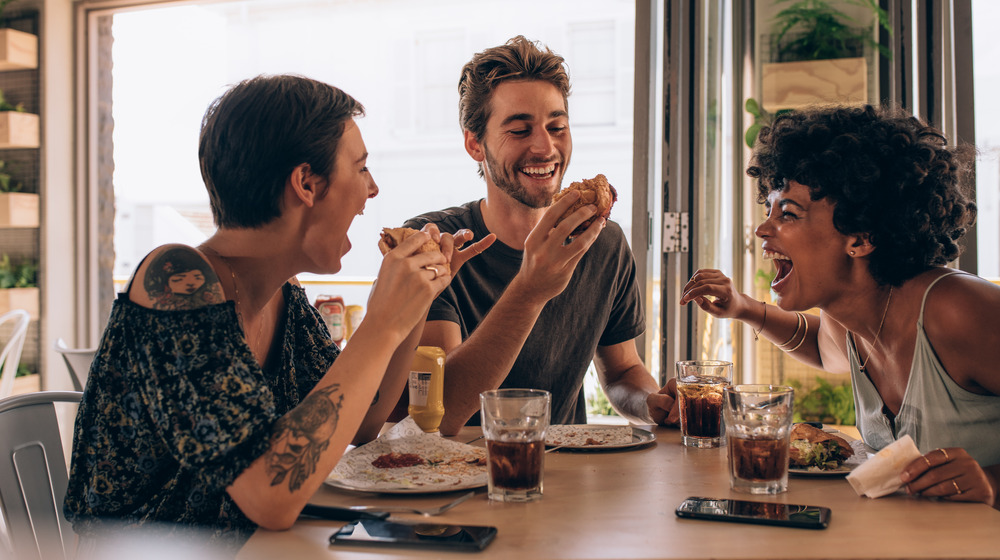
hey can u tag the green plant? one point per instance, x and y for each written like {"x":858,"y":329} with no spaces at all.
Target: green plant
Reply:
{"x":6,"y":106}
{"x":824,"y":402}
{"x":23,"y":274}
{"x":761,"y":118}
{"x":821,"y":31}
{"x":6,"y":183}
{"x":23,"y":370}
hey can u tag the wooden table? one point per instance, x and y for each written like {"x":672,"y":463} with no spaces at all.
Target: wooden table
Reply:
{"x":621,"y":505}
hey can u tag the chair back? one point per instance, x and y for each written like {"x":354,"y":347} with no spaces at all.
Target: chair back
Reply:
{"x":10,"y":357}
{"x":34,"y":476}
{"x":78,"y":362}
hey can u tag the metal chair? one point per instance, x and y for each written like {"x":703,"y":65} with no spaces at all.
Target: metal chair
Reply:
{"x":78,"y":362}
{"x":11,"y":355}
{"x":34,"y":476}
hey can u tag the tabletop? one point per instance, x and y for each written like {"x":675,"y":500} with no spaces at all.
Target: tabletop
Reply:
{"x":620,"y":504}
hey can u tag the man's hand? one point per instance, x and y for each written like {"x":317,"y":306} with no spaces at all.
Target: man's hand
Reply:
{"x":663,"y":404}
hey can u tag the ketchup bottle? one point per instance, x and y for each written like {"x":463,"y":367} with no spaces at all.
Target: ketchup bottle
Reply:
{"x":332,"y":309}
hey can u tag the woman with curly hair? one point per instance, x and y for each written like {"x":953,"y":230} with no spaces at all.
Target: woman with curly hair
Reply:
{"x":865,"y":208}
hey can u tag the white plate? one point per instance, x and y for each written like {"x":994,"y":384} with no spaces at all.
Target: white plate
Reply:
{"x":447,"y":471}
{"x":639,"y":437}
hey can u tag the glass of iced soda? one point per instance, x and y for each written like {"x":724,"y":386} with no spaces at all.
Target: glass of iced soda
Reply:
{"x":699,"y":400}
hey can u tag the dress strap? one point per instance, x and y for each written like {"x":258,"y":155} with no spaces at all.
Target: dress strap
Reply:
{"x":928,"y":290}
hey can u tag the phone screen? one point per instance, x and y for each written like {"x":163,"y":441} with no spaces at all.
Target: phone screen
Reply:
{"x":745,"y":511}
{"x":417,"y":535}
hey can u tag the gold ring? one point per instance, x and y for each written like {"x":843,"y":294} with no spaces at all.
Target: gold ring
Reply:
{"x":926,"y":460}
{"x":955,"y":484}
{"x":946,"y":457}
{"x":432,"y":269}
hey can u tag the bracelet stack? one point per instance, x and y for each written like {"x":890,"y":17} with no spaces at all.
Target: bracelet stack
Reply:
{"x":798,"y":328}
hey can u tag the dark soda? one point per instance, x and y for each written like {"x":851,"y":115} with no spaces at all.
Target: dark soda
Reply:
{"x":758,"y":459}
{"x":516,"y":465}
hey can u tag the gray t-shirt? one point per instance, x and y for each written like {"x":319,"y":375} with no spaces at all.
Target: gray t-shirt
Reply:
{"x":600,"y":306}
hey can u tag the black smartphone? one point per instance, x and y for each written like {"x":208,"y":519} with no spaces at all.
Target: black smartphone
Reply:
{"x":765,"y":513}
{"x":380,"y":532}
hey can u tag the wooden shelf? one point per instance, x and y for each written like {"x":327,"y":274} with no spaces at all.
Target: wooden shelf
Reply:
{"x":18,"y":210}
{"x":18,"y":130}
{"x":18,"y":50}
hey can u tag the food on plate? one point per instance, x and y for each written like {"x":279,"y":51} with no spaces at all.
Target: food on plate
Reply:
{"x":595,"y":191}
{"x":582,"y":435}
{"x":395,"y":460}
{"x":391,"y":237}
{"x":812,"y":447}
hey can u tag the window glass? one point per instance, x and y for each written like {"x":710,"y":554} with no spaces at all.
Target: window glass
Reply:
{"x":401,"y":60}
{"x":986,"y":50}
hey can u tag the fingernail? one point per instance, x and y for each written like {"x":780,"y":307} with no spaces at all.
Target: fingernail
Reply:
{"x":905,"y":476}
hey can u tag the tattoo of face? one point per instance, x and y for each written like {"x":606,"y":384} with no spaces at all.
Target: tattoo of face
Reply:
{"x":181,"y":278}
{"x":301,"y":436}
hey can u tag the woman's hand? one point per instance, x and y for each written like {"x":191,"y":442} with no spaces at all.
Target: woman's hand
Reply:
{"x":451,"y":243}
{"x":951,"y":474}
{"x":715,"y":293}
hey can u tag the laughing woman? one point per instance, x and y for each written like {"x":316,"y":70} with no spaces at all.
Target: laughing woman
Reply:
{"x":217,"y":400}
{"x":865,"y":209}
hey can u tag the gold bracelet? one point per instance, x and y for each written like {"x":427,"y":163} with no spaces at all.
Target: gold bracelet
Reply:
{"x":758,"y":331}
{"x":798,"y":327}
{"x":804,"y":336}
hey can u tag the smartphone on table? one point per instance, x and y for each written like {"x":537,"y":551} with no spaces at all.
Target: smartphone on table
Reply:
{"x":381,"y":532}
{"x":746,"y":511}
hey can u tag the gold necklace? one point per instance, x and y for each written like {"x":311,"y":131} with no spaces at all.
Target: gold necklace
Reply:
{"x":877,"y":333}
{"x":239,"y":307}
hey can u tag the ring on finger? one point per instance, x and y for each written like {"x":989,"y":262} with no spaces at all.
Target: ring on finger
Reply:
{"x":926,"y":460}
{"x":955,"y":484}
{"x":432,"y":269}
{"x":946,"y":457}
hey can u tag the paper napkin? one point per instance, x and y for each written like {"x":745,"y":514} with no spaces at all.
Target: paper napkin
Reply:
{"x":879,"y":475}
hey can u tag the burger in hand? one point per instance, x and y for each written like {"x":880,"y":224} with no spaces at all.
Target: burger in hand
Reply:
{"x":812,"y":447}
{"x":596,"y":191}
{"x":392,"y":237}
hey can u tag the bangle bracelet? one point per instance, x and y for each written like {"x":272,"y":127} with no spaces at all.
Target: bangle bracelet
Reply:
{"x":798,"y":327}
{"x":758,"y":331}
{"x":803,"y":339}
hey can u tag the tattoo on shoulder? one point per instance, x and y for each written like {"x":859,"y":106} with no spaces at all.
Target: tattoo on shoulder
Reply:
{"x":302,"y":435}
{"x":181,"y":278}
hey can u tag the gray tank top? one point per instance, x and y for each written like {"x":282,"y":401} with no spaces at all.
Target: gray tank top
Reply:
{"x":936,"y":411}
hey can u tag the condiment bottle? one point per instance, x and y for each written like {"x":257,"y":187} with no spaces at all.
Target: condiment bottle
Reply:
{"x":426,"y":386}
{"x":332,"y":309}
{"x":354,"y":315}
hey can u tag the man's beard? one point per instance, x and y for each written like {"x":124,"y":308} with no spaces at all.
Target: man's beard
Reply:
{"x":506,"y":179}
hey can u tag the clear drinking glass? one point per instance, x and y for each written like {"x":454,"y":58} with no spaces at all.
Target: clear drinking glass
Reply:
{"x":699,"y":399}
{"x":514,"y":423}
{"x":758,"y":429}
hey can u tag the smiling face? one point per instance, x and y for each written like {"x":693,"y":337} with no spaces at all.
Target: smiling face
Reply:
{"x":811,"y":258}
{"x":349,"y":188}
{"x":186,"y":283}
{"x":527,"y":144}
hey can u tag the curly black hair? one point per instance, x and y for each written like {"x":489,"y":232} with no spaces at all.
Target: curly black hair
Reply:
{"x":888,"y":175}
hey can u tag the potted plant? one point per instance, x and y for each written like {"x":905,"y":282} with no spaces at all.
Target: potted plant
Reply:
{"x":17,"y":209}
{"x":18,"y":285}
{"x":819,"y":54}
{"x":18,"y":50}
{"x":18,"y":129}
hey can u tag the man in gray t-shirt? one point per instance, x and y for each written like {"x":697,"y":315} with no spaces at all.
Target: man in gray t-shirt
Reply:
{"x":535,"y":308}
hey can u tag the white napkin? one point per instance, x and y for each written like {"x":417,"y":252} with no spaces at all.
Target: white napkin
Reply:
{"x":407,"y":427}
{"x":879,"y":475}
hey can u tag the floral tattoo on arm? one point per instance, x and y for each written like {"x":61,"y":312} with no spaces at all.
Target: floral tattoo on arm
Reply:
{"x":301,"y":436}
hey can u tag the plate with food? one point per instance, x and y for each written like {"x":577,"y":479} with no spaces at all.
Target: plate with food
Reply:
{"x":417,"y":464}
{"x":816,"y":452}
{"x":593,"y":437}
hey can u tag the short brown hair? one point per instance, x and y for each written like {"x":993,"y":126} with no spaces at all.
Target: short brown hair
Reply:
{"x":517,"y":59}
{"x":257,"y":132}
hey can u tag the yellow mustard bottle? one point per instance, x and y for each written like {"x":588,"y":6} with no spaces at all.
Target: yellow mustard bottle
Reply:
{"x":426,"y":386}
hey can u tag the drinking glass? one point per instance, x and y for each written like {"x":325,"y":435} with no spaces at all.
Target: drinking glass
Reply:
{"x":699,"y":399}
{"x":758,"y":430}
{"x":514,"y":423}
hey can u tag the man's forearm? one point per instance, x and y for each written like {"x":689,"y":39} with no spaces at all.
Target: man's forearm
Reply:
{"x":628,"y":395}
{"x":483,"y":360}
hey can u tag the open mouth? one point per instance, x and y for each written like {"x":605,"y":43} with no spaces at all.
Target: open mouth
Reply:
{"x":782,"y":266}
{"x":540,"y":171}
